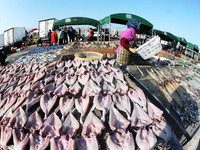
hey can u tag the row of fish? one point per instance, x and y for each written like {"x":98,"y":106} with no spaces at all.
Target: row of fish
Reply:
{"x":45,"y":49}
{"x":76,"y":105}
{"x":184,"y":99}
{"x":92,"y":45}
{"x":45,"y":57}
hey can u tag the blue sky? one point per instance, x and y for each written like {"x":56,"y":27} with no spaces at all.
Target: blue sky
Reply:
{"x":180,"y":17}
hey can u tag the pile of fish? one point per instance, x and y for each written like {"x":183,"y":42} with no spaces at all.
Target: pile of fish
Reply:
{"x":76,"y":105}
{"x":45,"y":57}
{"x":46,"y":49}
{"x":184,"y":99}
{"x":92,"y":45}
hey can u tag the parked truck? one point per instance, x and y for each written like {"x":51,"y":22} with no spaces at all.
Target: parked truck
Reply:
{"x":44,"y":26}
{"x":1,"y":40}
{"x":14,"y":36}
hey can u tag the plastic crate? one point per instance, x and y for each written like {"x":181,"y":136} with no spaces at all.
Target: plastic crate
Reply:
{"x":150,"y":48}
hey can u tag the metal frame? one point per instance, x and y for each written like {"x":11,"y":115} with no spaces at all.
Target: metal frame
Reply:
{"x":155,"y":100}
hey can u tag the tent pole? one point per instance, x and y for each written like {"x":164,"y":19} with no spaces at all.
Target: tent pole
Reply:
{"x":98,"y":32}
{"x":109,"y":28}
{"x":104,"y":33}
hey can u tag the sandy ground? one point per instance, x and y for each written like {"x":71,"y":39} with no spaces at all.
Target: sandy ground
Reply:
{"x":14,"y":56}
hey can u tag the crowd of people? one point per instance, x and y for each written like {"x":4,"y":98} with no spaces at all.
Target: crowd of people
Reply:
{"x":62,"y":36}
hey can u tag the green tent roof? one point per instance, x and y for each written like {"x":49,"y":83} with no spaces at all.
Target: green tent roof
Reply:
{"x":122,"y":18}
{"x":165,"y":35}
{"x":76,"y":21}
{"x":182,"y":40}
{"x":190,"y":45}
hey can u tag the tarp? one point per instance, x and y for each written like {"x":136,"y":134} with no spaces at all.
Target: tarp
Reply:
{"x":190,"y":45}
{"x":122,"y":18}
{"x":32,"y":30}
{"x":182,"y":40}
{"x":76,"y":21}
{"x":165,"y":35}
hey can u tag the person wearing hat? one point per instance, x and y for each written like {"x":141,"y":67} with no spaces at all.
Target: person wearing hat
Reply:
{"x":127,"y":42}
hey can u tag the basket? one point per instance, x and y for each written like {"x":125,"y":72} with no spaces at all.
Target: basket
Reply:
{"x":87,"y":55}
{"x":150,"y":48}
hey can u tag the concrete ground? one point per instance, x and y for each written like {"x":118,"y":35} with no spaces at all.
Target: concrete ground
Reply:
{"x":14,"y":56}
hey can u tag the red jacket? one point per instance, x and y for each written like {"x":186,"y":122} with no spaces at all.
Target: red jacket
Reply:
{"x":53,"y":37}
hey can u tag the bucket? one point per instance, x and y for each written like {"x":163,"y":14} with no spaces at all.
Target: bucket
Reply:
{"x":87,"y":55}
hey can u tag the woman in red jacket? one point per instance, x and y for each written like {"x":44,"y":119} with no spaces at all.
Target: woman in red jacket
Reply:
{"x":53,"y":37}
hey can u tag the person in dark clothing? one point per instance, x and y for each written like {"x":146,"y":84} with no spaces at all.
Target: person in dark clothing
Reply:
{"x":65,"y":36}
{"x":173,"y":46}
{"x":49,"y":36}
{"x":2,"y":57}
{"x":39,"y":41}
{"x":71,"y":33}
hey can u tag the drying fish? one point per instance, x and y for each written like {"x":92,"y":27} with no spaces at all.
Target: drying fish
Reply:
{"x":92,"y":125}
{"x":20,"y":139}
{"x":102,"y":103}
{"x":66,"y":105}
{"x":108,"y":89}
{"x":121,"y":87}
{"x":145,"y":140}
{"x":68,"y":63}
{"x":134,"y":96}
{"x":154,"y":112}
{"x":117,"y":121}
{"x":6,"y":134}
{"x":122,"y":103}
{"x":95,"y":62}
{"x":75,"y":89}
{"x":62,"y":143}
{"x":96,"y":77}
{"x":82,"y":105}
{"x":49,"y":89}
{"x":122,"y":142}
{"x":46,"y":103}
{"x":83,"y":78}
{"x":34,"y":122}
{"x":38,"y":142}
{"x":61,"y":90}
{"x":70,"y":126}
{"x":86,"y":143}
{"x":18,"y":120}
{"x":51,"y":127}
{"x":162,"y":130}
{"x":90,"y":89}
{"x":108,"y":78}
{"x":70,"y":79}
{"x":139,"y":117}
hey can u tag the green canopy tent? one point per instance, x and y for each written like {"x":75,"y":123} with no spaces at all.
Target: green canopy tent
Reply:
{"x":77,"y":21}
{"x":190,"y":45}
{"x":167,"y":36}
{"x":182,"y":40}
{"x":122,"y":18}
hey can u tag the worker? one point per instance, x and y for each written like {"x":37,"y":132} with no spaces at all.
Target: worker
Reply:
{"x":91,"y":34}
{"x":58,"y":35}
{"x":53,"y":37}
{"x":127,"y":42}
{"x":72,"y":34}
{"x":49,"y":37}
{"x":3,"y":55}
{"x":39,"y":41}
